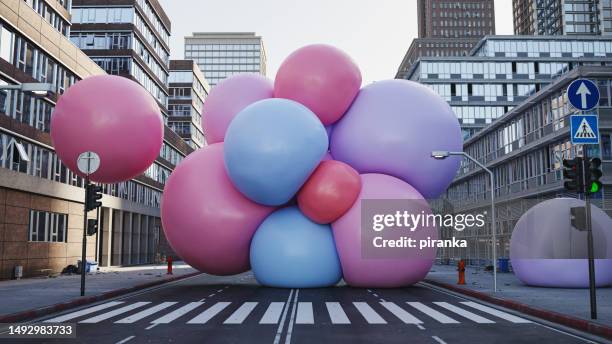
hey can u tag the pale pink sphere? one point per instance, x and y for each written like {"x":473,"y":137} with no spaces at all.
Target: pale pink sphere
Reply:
{"x":207,"y":221}
{"x":230,"y":97}
{"x":321,"y":77}
{"x":113,"y":117}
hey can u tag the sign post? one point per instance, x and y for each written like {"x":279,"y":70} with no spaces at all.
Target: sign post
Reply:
{"x":88,"y":163}
{"x":584,"y":95}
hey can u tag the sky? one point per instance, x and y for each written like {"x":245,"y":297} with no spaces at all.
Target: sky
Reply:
{"x":376,"y":33}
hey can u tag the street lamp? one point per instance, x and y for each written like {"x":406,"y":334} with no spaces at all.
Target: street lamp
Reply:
{"x":37,"y":89}
{"x":441,"y":155}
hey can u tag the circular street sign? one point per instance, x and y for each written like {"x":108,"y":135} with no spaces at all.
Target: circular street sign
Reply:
{"x":583,"y":94}
{"x":88,"y":162}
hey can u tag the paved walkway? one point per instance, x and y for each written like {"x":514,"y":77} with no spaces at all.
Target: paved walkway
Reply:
{"x":574,"y":302}
{"x":30,"y":293}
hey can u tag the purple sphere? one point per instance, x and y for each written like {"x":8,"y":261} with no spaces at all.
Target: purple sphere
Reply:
{"x":546,"y":251}
{"x":392,"y":128}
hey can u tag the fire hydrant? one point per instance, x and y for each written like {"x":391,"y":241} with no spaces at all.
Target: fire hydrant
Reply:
{"x":169,"y":265}
{"x":461,"y":269}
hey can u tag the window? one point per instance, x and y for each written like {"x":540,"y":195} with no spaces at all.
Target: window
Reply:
{"x":48,"y":227}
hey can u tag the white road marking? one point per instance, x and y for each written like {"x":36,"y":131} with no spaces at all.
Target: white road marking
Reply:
{"x":304,"y":313}
{"x":141,"y":315}
{"x":292,"y":320}
{"x":279,"y":331}
{"x":511,"y":318}
{"x":368,"y":313}
{"x":150,"y":327}
{"x":114,"y":313}
{"x":420,"y":327}
{"x":126,"y":340}
{"x":336,"y":313}
{"x":437,"y":339}
{"x":399,"y":312}
{"x":441,"y":318}
{"x":203,"y":317}
{"x":474,"y":317}
{"x":241,"y":313}
{"x":166,"y":319}
{"x":273,"y":313}
{"x":82,"y":312}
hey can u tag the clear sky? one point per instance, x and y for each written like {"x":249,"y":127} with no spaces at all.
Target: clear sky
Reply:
{"x":376,"y":33}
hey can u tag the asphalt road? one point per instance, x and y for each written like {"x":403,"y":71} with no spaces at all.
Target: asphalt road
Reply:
{"x":207,"y":309}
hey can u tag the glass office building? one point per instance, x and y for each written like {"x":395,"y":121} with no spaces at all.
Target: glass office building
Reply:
{"x":503,"y":71}
{"x":220,"y":55}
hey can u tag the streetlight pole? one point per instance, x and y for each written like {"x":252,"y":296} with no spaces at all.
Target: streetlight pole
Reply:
{"x":441,"y":155}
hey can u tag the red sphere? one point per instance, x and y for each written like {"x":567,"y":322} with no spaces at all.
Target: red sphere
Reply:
{"x":329,"y":192}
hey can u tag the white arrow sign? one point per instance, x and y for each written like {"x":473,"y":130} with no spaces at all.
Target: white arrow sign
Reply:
{"x":583,"y":92}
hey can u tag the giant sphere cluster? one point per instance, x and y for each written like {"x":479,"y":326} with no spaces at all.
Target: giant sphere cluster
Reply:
{"x":279,"y":191}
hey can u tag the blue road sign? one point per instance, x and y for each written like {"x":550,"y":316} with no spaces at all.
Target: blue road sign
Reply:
{"x":585,"y":129}
{"x":583,"y":94}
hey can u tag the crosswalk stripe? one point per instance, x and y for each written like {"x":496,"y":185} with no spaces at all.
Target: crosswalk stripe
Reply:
{"x":143,"y":314}
{"x":273,"y":313}
{"x":441,"y":318}
{"x":474,"y":317}
{"x":82,"y":312}
{"x":399,"y":312}
{"x":168,"y":318}
{"x":336,"y":313}
{"x":241,"y":313}
{"x":497,"y":313}
{"x":203,"y":317}
{"x":304,"y":313}
{"x":114,"y":313}
{"x":368,"y":313}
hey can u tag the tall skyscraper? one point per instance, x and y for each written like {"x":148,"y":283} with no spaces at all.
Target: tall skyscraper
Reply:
{"x":562,"y":17}
{"x":223,"y":54}
{"x":449,"y":28}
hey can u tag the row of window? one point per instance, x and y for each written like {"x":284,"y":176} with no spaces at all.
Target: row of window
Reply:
{"x":227,"y":61}
{"x":170,"y":154}
{"x":21,"y":106}
{"x":188,"y":129}
{"x":223,"y":47}
{"x":151,"y":62}
{"x":152,"y":39}
{"x":51,"y":17}
{"x":485,"y":92}
{"x":158,"y":173}
{"x":533,"y":48}
{"x":493,"y":70}
{"x":102,"y":40}
{"x":48,"y":227}
{"x":153,"y":18}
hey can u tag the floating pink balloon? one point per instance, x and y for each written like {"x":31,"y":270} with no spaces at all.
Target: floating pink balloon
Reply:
{"x":113,"y":117}
{"x":323,"y":78}
{"x":230,"y":97}
{"x":329,"y":192}
{"x":207,"y":221}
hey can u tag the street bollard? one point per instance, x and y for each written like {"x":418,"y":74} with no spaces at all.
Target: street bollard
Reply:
{"x":461,"y":269}
{"x":169,"y":265}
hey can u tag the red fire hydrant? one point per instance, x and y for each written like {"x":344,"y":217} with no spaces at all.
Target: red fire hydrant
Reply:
{"x":169,"y":265}
{"x":461,"y":269}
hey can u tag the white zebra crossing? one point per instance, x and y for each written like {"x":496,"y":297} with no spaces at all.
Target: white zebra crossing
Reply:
{"x":232,"y":313}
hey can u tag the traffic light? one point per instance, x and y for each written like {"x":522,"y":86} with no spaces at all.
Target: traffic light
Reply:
{"x":92,"y":227}
{"x":572,"y":175}
{"x":93,"y":194}
{"x":593,"y":170}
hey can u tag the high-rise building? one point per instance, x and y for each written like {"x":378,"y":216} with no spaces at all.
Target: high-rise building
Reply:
{"x":448,"y":28}
{"x":223,"y":54}
{"x":128,"y":38}
{"x":188,"y":91}
{"x":562,"y":17}
{"x":41,"y":201}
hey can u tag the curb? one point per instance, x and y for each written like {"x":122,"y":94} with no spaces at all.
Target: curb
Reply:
{"x":559,"y":318}
{"x":39,"y":312}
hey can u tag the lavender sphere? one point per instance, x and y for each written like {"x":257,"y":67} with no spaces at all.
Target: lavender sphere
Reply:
{"x":546,"y":251}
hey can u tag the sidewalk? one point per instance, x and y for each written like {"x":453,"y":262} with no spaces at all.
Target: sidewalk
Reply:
{"x":32,"y":293}
{"x":572,"y":302}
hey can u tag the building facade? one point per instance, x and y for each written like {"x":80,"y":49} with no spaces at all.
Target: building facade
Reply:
{"x":129,"y":38}
{"x":41,"y":201}
{"x":503,"y":71}
{"x":525,"y":149}
{"x":223,"y":54}
{"x":188,"y":91}
{"x":562,"y":17}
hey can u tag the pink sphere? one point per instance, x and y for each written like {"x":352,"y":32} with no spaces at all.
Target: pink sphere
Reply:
{"x":323,"y":78}
{"x":380,"y":272}
{"x":230,"y":97}
{"x":207,"y":221}
{"x":113,"y":117}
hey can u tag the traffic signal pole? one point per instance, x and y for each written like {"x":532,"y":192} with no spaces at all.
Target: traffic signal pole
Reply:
{"x":589,"y":228}
{"x":84,"y":249}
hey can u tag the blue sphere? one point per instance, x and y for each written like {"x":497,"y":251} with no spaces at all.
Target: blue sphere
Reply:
{"x":271,"y":148}
{"x":290,"y":251}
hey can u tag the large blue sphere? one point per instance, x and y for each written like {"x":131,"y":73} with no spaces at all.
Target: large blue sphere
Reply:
{"x":272,"y":147}
{"x":290,"y":251}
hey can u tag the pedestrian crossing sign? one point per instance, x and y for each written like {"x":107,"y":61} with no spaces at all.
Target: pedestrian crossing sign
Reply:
{"x":584,"y":129}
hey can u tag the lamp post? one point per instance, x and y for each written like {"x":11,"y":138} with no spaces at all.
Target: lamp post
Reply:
{"x":441,"y":155}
